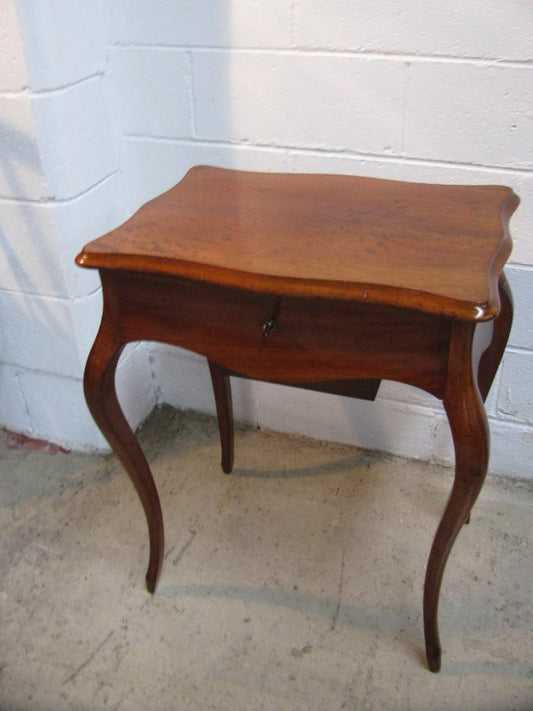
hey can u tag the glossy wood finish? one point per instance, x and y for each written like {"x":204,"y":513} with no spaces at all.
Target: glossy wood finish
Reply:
{"x":434,"y":248}
{"x":101,"y":396}
{"x":224,"y":405}
{"x":323,"y":282}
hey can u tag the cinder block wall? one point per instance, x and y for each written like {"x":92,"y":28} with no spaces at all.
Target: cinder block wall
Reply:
{"x":60,"y":185}
{"x":383,"y":89}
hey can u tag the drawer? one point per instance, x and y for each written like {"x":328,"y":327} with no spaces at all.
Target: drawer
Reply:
{"x":282,"y":338}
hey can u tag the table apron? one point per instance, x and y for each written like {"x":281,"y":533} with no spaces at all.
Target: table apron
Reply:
{"x":309,"y":339}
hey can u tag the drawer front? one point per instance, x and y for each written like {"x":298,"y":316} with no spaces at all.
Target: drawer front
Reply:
{"x":283,"y":338}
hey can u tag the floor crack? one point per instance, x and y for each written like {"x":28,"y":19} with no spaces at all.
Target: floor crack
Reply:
{"x":339,"y":594}
{"x":183,"y":549}
{"x":88,"y":660}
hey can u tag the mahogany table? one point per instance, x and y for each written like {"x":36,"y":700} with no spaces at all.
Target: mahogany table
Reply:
{"x":321,"y":281}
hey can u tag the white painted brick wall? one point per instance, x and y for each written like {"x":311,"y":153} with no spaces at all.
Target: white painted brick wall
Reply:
{"x":470,"y":113}
{"x":289,"y":99}
{"x":475,"y":29}
{"x":14,"y":74}
{"x":60,"y":186}
{"x":522,"y":331}
{"x":80,"y":150}
{"x":21,"y":161}
{"x":522,"y":221}
{"x":145,"y":102}
{"x":516,"y":388}
{"x":64,"y":41}
{"x":213,"y":23}
{"x":130,"y":94}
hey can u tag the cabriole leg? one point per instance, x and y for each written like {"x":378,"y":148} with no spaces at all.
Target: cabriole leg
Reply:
{"x":222,"y":390}
{"x":100,"y":393}
{"x":491,"y":358}
{"x":468,"y":423}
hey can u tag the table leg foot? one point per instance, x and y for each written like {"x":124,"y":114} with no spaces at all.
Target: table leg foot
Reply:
{"x":99,"y":385}
{"x":468,"y":424}
{"x":434,"y":659}
{"x":461,"y":500}
{"x":224,"y":406}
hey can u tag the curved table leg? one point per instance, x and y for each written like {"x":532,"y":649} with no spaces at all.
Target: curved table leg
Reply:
{"x":222,"y":390}
{"x":100,"y":393}
{"x":491,"y":358}
{"x":468,"y":423}
{"x":493,"y":354}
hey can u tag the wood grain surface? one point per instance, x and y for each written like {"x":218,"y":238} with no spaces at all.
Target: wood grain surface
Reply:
{"x":432,"y":248}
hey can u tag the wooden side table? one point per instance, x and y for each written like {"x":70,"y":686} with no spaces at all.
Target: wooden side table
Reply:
{"x":323,"y":281}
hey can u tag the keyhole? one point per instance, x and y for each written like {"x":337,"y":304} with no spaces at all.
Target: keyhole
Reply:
{"x":269,"y":326}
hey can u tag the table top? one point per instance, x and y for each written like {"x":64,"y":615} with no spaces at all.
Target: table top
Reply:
{"x":434,"y":248}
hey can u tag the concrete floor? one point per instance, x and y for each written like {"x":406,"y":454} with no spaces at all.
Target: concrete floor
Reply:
{"x":293,"y":584}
